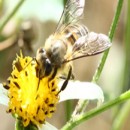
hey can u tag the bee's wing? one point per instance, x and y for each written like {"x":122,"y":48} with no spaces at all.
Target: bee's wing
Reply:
{"x":72,"y":13}
{"x":89,"y":45}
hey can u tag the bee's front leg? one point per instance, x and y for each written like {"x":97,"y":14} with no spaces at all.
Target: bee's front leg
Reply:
{"x":72,"y":77}
{"x":66,"y":79}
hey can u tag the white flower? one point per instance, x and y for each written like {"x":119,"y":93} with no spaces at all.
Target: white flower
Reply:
{"x":81,"y":90}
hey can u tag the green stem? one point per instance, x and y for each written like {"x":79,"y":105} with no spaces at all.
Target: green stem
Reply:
{"x":100,"y":67}
{"x":120,"y":118}
{"x":111,"y":34}
{"x":78,"y":109}
{"x":9,"y":16}
{"x":19,"y":126}
{"x":79,"y":119}
{"x":69,"y":107}
{"x":127,"y":50}
{"x":75,"y":121}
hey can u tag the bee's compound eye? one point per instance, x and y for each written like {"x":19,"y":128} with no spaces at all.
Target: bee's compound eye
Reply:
{"x":41,"y":50}
{"x":48,"y":67}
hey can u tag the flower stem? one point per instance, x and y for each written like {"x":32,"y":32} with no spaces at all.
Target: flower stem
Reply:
{"x":126,"y":81}
{"x":111,"y":34}
{"x":79,"y":119}
{"x":9,"y":16}
{"x":19,"y":126}
{"x":121,"y":117}
{"x":69,"y":106}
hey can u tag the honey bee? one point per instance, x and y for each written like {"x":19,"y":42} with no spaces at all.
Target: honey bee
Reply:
{"x":70,"y":41}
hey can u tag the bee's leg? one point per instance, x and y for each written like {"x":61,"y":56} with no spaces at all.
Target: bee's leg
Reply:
{"x":64,"y":77}
{"x":67,"y":79}
{"x":38,"y":76}
{"x":72,"y":76}
{"x":38,"y":83}
{"x":38,"y":71}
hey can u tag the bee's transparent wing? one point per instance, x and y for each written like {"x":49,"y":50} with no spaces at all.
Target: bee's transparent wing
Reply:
{"x":89,"y":45}
{"x":72,"y":13}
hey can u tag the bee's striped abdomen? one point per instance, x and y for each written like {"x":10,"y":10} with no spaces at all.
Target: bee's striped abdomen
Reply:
{"x":75,"y":31}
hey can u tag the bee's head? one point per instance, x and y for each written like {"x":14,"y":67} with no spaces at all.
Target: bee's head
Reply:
{"x":44,"y":64}
{"x":41,"y":54}
{"x":56,"y":50}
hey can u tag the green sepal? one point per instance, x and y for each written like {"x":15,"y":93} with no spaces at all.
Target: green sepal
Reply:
{"x":19,"y":126}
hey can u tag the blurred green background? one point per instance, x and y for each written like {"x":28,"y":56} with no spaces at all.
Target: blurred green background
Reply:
{"x":36,"y":20}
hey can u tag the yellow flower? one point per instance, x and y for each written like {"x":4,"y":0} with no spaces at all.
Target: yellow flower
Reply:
{"x":31,"y":98}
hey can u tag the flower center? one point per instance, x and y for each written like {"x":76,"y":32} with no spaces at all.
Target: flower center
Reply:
{"x":31,"y":98}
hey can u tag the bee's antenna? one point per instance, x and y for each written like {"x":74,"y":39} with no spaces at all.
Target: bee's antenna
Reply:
{"x":34,"y":58}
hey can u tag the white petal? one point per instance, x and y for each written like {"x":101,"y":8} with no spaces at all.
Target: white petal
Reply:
{"x":81,"y":90}
{"x":3,"y":96}
{"x":47,"y":126}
